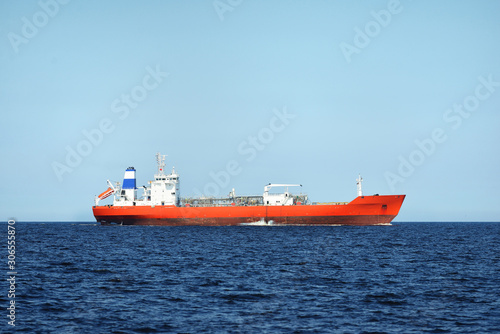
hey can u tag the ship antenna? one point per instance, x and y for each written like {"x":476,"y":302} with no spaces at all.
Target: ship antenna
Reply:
{"x":160,"y":159}
{"x":358,"y":183}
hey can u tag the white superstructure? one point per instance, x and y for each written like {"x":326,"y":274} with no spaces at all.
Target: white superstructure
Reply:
{"x":163,"y":190}
{"x":281,"y":198}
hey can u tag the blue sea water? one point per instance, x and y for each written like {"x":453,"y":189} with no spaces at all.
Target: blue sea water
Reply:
{"x":409,"y":278}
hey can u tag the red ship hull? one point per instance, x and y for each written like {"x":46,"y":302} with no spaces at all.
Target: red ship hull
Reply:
{"x":363,"y":210}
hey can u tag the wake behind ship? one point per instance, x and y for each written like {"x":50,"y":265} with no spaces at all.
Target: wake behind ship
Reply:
{"x":161,"y":204}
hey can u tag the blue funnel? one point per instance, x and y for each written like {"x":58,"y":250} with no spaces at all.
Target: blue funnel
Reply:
{"x":129,"y":178}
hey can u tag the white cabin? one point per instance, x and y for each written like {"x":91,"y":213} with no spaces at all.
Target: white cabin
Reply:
{"x":163,"y":190}
{"x":281,"y":198}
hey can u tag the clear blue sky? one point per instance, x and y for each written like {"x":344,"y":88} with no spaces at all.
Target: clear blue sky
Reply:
{"x":313,"y":92}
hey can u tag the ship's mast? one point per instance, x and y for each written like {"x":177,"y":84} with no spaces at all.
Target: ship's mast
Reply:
{"x":358,"y":183}
{"x":160,"y":159}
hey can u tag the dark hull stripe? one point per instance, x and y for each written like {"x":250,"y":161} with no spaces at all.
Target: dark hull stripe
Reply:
{"x":228,"y":221}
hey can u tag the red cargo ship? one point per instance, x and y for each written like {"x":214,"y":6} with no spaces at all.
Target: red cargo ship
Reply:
{"x":161,"y":204}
